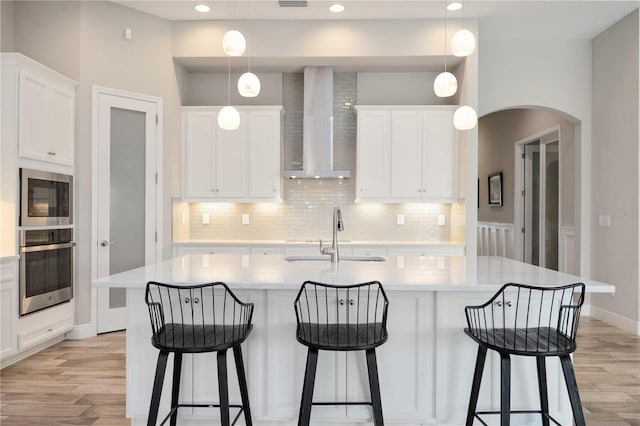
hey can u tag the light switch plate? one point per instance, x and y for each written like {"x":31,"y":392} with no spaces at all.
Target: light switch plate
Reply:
{"x":442,"y":220}
{"x":245,"y":218}
{"x":205,"y":218}
{"x":604,"y":220}
{"x":400,"y":219}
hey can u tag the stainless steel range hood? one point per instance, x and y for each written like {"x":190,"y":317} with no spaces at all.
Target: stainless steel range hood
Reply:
{"x":317,"y":127}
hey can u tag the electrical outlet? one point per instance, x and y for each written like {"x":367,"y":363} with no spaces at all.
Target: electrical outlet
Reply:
{"x":205,"y":218}
{"x":400,"y":219}
{"x":604,"y":220}
{"x":442,"y":220}
{"x":245,"y":218}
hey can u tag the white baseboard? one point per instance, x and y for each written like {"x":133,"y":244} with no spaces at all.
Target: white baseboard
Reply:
{"x":19,"y":356}
{"x":586,"y":310}
{"x":82,"y":331}
{"x":616,"y":320}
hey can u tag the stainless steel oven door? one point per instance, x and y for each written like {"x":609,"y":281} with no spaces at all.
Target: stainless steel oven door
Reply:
{"x":46,"y":276}
{"x":45,"y":198}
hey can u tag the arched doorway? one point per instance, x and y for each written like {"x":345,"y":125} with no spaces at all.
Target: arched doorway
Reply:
{"x":536,"y":150}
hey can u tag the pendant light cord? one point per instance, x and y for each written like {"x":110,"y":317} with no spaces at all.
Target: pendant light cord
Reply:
{"x":229,"y":82}
{"x":445,"y":35}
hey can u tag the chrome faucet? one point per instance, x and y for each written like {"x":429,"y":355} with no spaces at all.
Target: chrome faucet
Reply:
{"x":337,"y":226}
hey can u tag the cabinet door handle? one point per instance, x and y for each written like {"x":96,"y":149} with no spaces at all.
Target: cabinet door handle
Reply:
{"x":508,"y":303}
{"x":341,"y":302}
{"x":51,"y":153}
{"x":351,"y":302}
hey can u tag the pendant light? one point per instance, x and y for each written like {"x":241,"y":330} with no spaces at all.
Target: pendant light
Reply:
{"x":249,"y":83}
{"x":463,"y":42}
{"x":234,"y":43}
{"x":229,"y":117}
{"x":465,"y":118}
{"x":445,"y":84}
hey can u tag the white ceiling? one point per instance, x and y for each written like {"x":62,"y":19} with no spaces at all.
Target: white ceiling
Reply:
{"x":497,"y":18}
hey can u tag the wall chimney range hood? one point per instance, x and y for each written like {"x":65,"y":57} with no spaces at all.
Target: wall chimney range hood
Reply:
{"x":317,"y":127}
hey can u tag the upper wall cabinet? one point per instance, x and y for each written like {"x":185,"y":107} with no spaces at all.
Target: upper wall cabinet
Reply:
{"x":236,"y":165}
{"x":46,"y":116}
{"x":407,"y":154}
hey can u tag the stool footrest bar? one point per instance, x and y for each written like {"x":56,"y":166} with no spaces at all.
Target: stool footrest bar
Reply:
{"x":174,"y":409}
{"x":341,"y":403}
{"x":478,"y":413}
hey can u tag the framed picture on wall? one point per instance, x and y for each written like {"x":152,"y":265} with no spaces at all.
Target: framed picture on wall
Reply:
{"x":495,"y":189}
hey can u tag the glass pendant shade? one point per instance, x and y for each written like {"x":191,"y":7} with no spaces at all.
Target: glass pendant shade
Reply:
{"x":233,"y":43}
{"x":249,"y":85}
{"x":463,"y":43}
{"x":229,"y":118}
{"x":445,"y":85}
{"x":465,"y":118}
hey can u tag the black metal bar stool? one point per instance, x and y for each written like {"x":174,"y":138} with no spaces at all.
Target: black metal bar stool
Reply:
{"x":196,"y":319}
{"x":341,"y":318}
{"x":529,"y":321}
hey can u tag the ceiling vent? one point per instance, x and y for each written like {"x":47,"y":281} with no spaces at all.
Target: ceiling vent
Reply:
{"x":293,"y":3}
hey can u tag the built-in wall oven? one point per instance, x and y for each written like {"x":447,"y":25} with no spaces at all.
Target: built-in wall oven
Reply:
{"x":46,"y":268}
{"x":45,"y":198}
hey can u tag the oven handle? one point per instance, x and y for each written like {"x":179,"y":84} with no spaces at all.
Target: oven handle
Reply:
{"x":32,"y":249}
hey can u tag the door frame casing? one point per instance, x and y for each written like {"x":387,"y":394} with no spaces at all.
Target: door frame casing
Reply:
{"x":95,"y":136}
{"x":545,"y":136}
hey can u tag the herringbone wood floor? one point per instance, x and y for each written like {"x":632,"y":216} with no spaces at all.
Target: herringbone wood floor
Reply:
{"x":83,"y":382}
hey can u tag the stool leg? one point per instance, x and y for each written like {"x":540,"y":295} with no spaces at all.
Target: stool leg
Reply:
{"x":307,"y":388}
{"x":572,"y":387}
{"x":374,"y":387}
{"x":223,"y":388}
{"x":161,"y":367}
{"x":242,"y":381}
{"x":475,"y":388}
{"x":175,"y":387}
{"x":542,"y":388}
{"x":505,"y":389}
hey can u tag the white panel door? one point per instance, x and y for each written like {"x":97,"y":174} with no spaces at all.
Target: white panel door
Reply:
{"x":373,"y":157}
{"x":231,"y":162}
{"x":406,"y":154}
{"x":264,"y":154}
{"x":62,"y":134}
{"x":33,"y":118}
{"x":440,"y":156}
{"x":198,"y":153}
{"x":127,"y":201}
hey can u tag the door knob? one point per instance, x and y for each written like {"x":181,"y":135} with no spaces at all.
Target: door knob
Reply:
{"x":105,"y":243}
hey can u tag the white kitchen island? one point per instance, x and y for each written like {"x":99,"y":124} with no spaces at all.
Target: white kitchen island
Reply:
{"x":425,"y":368}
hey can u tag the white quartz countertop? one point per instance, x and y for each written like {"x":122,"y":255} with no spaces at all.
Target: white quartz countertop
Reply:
{"x":418,"y":273}
{"x":309,"y":241}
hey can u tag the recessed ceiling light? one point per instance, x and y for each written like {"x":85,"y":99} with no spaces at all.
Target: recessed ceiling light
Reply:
{"x":202,"y":8}
{"x":336,"y":8}
{"x":454,"y":5}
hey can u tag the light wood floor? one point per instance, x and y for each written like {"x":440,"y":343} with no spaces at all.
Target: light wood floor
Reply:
{"x":83,"y":382}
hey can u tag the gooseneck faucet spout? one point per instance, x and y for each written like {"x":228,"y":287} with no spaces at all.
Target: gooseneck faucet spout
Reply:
{"x":333,"y":251}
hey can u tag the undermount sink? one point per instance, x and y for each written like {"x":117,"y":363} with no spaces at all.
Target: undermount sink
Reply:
{"x":327,"y":258}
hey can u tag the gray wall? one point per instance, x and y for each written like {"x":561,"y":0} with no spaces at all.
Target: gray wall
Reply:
{"x":400,"y":88}
{"x":212,"y":89}
{"x":84,"y":40}
{"x":497,"y":134}
{"x":615,"y":165}
{"x":7,"y":27}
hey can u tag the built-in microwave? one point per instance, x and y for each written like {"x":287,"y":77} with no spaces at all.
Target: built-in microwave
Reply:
{"x":45,"y":198}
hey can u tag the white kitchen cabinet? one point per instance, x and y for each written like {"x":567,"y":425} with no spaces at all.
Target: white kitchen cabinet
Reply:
{"x":8,"y":307}
{"x":404,"y":363}
{"x":236,"y":165}
{"x":46,"y":116}
{"x":286,"y":360}
{"x":373,"y":177}
{"x":407,"y":153}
